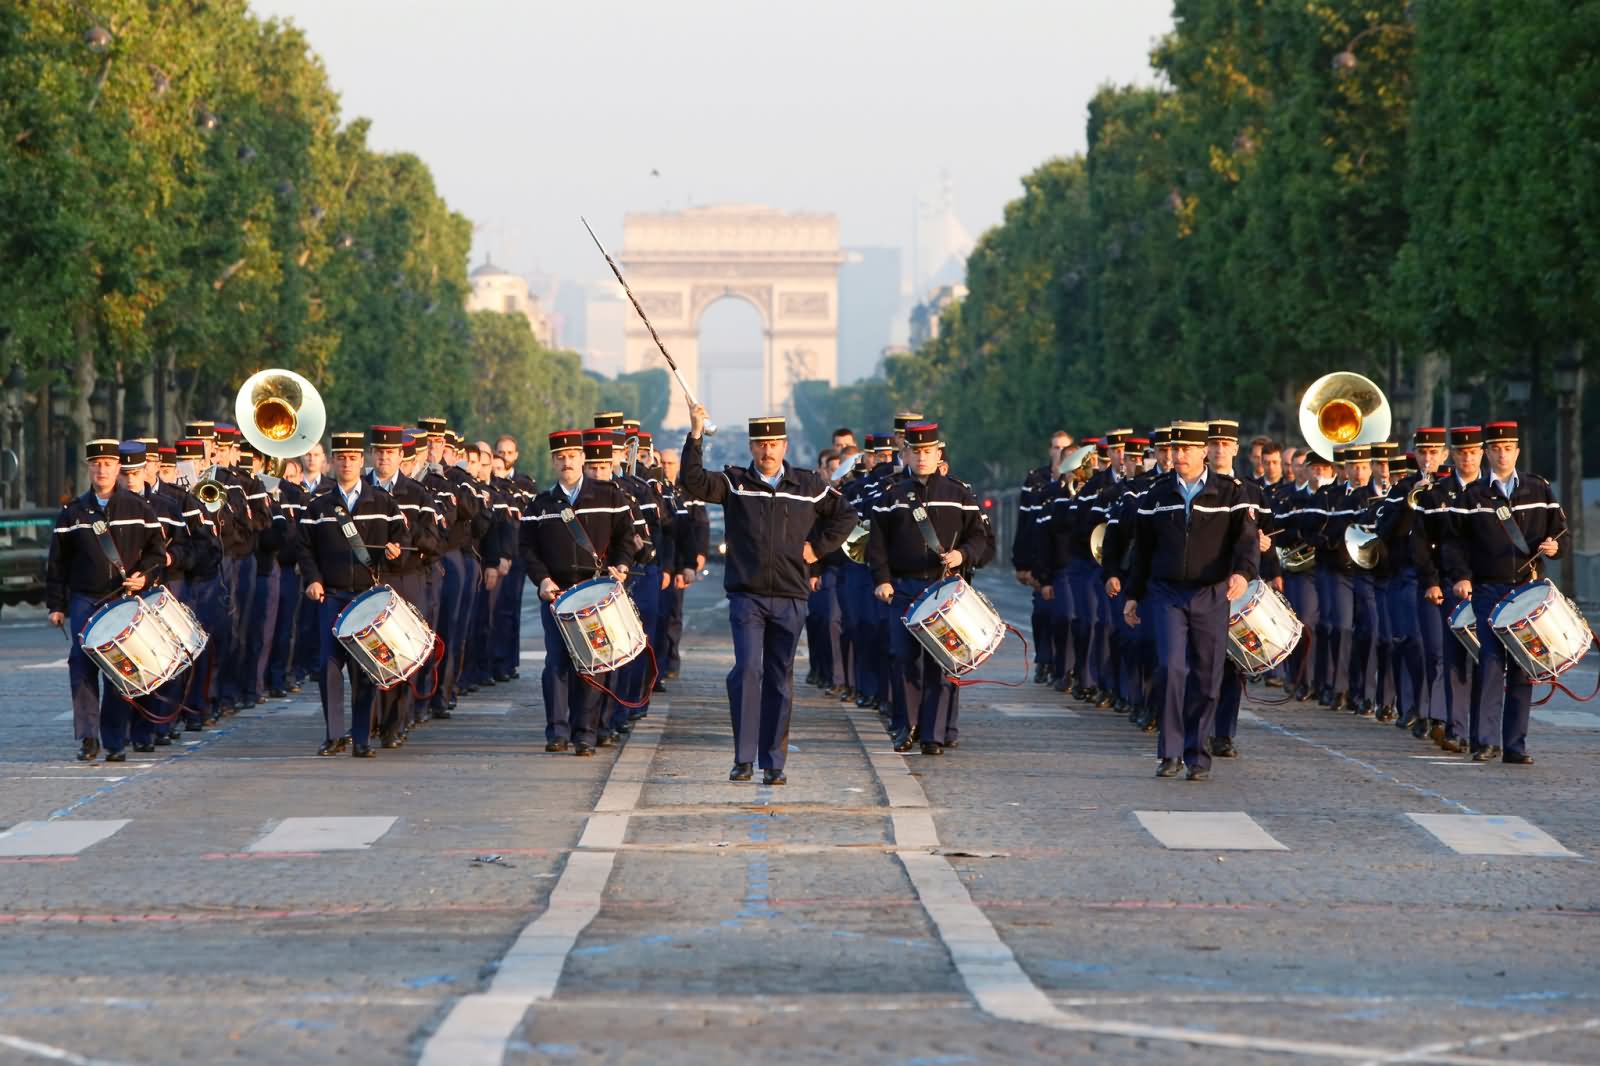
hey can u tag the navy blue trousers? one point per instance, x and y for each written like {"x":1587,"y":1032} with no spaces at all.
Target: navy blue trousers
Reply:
{"x":235,"y":663}
{"x":1505,"y":695}
{"x":286,"y":628}
{"x":867,"y":654}
{"x":766,"y":632}
{"x":210,"y":610}
{"x":633,"y":680}
{"x":330,"y":684}
{"x":1042,"y":621}
{"x":506,"y":627}
{"x":1191,"y":632}
{"x":925,"y":691}
{"x":572,"y":705}
{"x":262,"y":629}
{"x":452,"y":597}
{"x":1431,"y":624}
{"x":1363,"y":635}
{"x":1460,"y":680}
{"x":1064,"y":651}
{"x":98,"y":711}
{"x":1087,"y":621}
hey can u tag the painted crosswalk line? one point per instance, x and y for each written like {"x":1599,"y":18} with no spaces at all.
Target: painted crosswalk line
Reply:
{"x":1491,"y":834}
{"x":63,"y":836}
{"x":1207,"y":831}
{"x":1032,"y":710}
{"x":324,"y":834}
{"x":1567,"y":719}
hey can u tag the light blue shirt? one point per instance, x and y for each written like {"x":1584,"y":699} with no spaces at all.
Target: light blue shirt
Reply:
{"x":572,"y":493}
{"x":103,"y":501}
{"x":1508,"y":486}
{"x":1190,"y":490}
{"x":771,"y":482}
{"x":310,"y":485}
{"x":350,"y":497}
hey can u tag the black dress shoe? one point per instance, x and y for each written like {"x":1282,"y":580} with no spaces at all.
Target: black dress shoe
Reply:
{"x":742,"y":771}
{"x":1303,"y":693}
{"x":951,"y":745}
{"x":1222,"y":748}
{"x":276,"y":694}
{"x":1039,"y":673}
{"x":449,"y":705}
{"x":145,"y":749}
{"x":334,"y":747}
{"x":1104,"y":700}
{"x":556,"y":745}
{"x":362,"y":751}
{"x":605,"y":740}
{"x":163,"y":741}
{"x":932,"y":748}
{"x":1198,"y":773}
{"x":294,"y":688}
{"x":580,"y":748}
{"x":1149,"y":725}
{"x":875,"y":702}
{"x":862,"y":701}
{"x":1274,"y":682}
{"x":773,"y":777}
{"x":902,"y":741}
{"x":193,"y":727}
{"x":1517,"y":758}
{"x":1341,"y":702}
{"x":89,"y":750}
{"x":658,"y":686}
{"x":441,"y":714}
{"x":916,"y":733}
{"x":502,"y":679}
{"x":390,"y":742}
{"x":1365,"y":709}
{"x":1436,"y":731}
{"x":116,"y":755}
{"x":1452,"y":745}
{"x":1169,"y":768}
{"x":1387,"y":713}
{"x":624,"y":728}
{"x":1489,"y":754}
{"x":1419,"y":728}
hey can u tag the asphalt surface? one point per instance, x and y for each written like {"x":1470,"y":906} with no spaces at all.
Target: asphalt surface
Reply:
{"x":1030,"y":897}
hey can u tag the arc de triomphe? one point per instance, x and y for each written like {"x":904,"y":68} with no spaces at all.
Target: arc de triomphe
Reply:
{"x":784,"y":265}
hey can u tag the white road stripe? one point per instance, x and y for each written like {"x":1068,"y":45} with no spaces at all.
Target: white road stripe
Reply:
{"x":1491,"y":834}
{"x":1207,"y":831}
{"x":1029,"y":710}
{"x":53,"y":664}
{"x":482,"y":709}
{"x":532,"y":656}
{"x":50,"y":1052}
{"x":990,"y":970}
{"x":478,"y":1027}
{"x":64,"y":716}
{"x":64,"y":836}
{"x":1567,"y":719}
{"x":324,"y":834}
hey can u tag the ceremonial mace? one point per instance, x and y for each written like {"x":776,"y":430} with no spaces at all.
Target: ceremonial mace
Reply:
{"x":710,"y":427}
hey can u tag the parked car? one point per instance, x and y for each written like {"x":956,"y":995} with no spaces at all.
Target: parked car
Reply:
{"x":24,"y":546}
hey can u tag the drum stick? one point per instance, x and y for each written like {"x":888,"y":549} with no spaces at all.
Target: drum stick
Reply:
{"x":1537,"y":555}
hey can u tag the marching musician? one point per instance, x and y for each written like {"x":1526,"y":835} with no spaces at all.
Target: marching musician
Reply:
{"x":691,"y":531}
{"x":1394,"y":521}
{"x":769,"y":508}
{"x":1387,"y":464}
{"x":203,"y":586}
{"x":1116,"y":554}
{"x":651,"y":572}
{"x":1500,"y":534}
{"x":577,"y":529}
{"x":408,"y":573}
{"x":1421,"y":648}
{"x":925,"y":526}
{"x":1439,"y":504}
{"x":1222,"y":448}
{"x":1034,"y":494}
{"x":314,"y":479}
{"x":521,"y":488}
{"x":105,"y":542}
{"x":141,"y":460}
{"x":1195,"y":549}
{"x":345,"y":537}
{"x":868,"y":636}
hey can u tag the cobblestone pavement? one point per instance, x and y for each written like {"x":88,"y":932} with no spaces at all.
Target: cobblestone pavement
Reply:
{"x":1034,"y":896}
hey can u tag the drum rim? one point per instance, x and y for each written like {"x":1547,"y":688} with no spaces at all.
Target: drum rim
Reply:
{"x":925,"y":593}
{"x":616,"y":586}
{"x":361,"y":597}
{"x":1550,"y":592}
{"x":132,"y":624}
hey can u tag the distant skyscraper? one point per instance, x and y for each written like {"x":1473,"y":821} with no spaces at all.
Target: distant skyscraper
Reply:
{"x":943,"y":243}
{"x":869,"y":304}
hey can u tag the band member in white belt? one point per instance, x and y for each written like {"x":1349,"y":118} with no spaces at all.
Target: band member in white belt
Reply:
{"x":556,"y":558}
{"x":769,"y":509}
{"x":1195,"y":548}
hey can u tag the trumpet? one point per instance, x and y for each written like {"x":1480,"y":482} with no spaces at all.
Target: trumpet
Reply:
{"x":210,"y":492}
{"x":1297,"y":560}
{"x":1423,"y":484}
{"x":855,"y":545}
{"x":1363,"y":546}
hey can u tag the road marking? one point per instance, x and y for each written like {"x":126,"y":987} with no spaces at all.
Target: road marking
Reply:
{"x":482,"y":708}
{"x":1029,"y":710}
{"x":532,"y":656}
{"x":1568,"y":719}
{"x":35,"y":1049}
{"x":479,"y":1026}
{"x":64,"y":716}
{"x":1491,"y":834}
{"x":53,"y":664}
{"x":61,"y":837}
{"x":324,"y":834}
{"x":1207,"y":831}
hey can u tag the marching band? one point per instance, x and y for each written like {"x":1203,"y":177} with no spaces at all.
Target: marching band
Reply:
{"x":229,"y":567}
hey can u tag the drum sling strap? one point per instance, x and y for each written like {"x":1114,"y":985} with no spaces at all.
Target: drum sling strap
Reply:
{"x":347,"y":526}
{"x":102,"y":533}
{"x":1508,"y":523}
{"x":930,"y":536}
{"x":585,"y":545}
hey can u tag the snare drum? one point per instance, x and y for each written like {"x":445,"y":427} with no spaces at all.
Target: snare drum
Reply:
{"x":133,"y":647}
{"x":178,"y":619}
{"x":381,"y":630}
{"x":600,"y":625}
{"x":1262,"y":629}
{"x":1542,"y":630}
{"x":956,"y":624}
{"x":1464,"y":624}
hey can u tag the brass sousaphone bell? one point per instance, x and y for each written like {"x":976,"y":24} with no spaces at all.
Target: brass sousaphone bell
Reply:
{"x":1341,"y":409}
{"x":280,"y":413}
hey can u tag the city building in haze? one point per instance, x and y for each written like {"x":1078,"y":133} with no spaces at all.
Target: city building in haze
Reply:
{"x":925,"y":316}
{"x":869,"y":307}
{"x":494,"y":289}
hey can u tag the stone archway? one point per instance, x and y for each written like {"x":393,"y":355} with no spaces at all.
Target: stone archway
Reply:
{"x":785,"y":265}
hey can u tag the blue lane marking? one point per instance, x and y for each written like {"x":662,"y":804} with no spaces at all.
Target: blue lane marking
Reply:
{"x":137,"y":775}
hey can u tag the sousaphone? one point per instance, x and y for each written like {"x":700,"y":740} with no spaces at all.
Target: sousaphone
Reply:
{"x":1341,"y":409}
{"x":280,"y":413}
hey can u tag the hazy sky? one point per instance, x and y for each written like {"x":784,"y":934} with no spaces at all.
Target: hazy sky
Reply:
{"x":531,"y":113}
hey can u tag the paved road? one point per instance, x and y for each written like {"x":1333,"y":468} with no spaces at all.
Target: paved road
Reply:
{"x":1035,"y":896}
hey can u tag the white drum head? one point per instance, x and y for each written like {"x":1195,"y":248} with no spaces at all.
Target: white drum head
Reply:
{"x":1519,"y":605}
{"x":365,"y":610}
{"x":586,"y":596}
{"x":934,"y":600}
{"x":111,"y":622}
